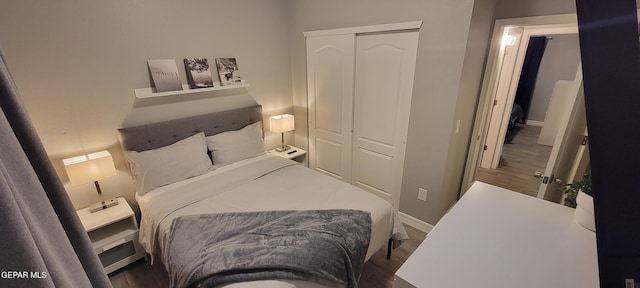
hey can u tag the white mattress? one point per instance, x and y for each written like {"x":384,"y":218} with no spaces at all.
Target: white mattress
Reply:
{"x":292,"y":187}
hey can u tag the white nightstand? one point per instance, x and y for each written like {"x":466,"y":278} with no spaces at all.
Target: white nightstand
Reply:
{"x":114,"y":234}
{"x":293,"y":153}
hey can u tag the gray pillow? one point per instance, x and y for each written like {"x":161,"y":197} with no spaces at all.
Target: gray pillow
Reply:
{"x":232,"y":146}
{"x":158,"y":167}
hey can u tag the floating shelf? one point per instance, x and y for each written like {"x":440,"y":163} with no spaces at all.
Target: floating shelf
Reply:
{"x":151,"y":92}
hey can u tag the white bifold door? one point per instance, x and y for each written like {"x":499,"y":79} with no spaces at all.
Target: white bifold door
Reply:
{"x":330,"y":84}
{"x":359,"y":93}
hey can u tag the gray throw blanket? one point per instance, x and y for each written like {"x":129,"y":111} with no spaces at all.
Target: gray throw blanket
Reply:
{"x":323,"y":246}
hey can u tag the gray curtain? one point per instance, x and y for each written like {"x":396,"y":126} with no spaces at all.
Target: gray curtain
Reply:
{"x":42,"y":242}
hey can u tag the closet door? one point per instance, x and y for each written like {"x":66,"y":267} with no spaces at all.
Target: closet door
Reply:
{"x":330,"y":64}
{"x":385,"y":65}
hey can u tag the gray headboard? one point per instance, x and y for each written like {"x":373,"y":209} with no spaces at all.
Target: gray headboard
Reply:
{"x":156,"y":135}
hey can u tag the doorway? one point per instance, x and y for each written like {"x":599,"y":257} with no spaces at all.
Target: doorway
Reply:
{"x":532,"y":124}
{"x":496,"y":102}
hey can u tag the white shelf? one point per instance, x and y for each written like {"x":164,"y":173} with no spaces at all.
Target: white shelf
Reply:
{"x":151,"y":92}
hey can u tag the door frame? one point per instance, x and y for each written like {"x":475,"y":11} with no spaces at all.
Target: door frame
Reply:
{"x":366,"y":29}
{"x":413,"y":26}
{"x":534,"y":26}
{"x":503,"y":87}
{"x":561,"y":160}
{"x":499,"y":132}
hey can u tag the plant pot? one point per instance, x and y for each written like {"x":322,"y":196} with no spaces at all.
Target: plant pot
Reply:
{"x":584,"y":211}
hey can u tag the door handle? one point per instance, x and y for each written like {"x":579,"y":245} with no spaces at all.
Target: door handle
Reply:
{"x":545,"y":179}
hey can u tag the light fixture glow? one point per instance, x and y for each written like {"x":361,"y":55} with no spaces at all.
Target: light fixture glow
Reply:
{"x":508,"y":40}
{"x":91,"y":168}
{"x":280,"y":124}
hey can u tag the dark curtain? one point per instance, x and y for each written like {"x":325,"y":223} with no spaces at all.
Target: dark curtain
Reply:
{"x":42,"y":242}
{"x":529,"y":74}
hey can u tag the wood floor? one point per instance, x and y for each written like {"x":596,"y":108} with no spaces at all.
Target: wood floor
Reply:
{"x":377,"y":273}
{"x":521,"y":157}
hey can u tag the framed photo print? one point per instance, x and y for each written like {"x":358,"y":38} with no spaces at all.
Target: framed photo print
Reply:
{"x":198,"y":73}
{"x":228,"y":71}
{"x":165,"y":75}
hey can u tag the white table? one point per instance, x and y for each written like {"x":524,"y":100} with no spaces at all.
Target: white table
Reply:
{"x":114,"y":234}
{"x":498,"y":238}
{"x":293,"y":153}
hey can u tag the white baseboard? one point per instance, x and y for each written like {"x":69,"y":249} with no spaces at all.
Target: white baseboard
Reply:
{"x":535,"y":123}
{"x":415,"y":222}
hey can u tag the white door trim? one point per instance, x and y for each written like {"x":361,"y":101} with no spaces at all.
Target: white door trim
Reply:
{"x":565,"y":138}
{"x":485,"y":102}
{"x":503,"y":87}
{"x":366,"y":29}
{"x":497,"y":143}
{"x":407,"y":28}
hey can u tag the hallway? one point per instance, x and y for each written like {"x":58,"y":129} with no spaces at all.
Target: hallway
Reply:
{"x":521,"y":158}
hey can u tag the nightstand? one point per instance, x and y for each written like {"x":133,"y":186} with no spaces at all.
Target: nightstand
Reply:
{"x":114,"y":234}
{"x":293,"y":153}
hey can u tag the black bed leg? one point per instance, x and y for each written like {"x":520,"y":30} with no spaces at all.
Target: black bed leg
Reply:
{"x":389,"y":248}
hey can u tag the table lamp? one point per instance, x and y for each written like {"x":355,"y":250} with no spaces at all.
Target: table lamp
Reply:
{"x":91,"y":168}
{"x":280,"y":124}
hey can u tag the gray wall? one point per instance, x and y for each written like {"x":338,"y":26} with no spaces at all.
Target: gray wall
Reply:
{"x":470,"y":85}
{"x":438,"y":88}
{"x":76,"y":64}
{"x":526,"y":8}
{"x":559,"y":62}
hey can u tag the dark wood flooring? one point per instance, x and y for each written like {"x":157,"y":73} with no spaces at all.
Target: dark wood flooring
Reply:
{"x":378,"y":272}
{"x":521,"y":157}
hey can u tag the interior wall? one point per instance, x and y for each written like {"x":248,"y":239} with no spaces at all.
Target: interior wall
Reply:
{"x":442,"y":49}
{"x":470,"y":88}
{"x":559,"y":62}
{"x":77,"y":63}
{"x":525,"y":8}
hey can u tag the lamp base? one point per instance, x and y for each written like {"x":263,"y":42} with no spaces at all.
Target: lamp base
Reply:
{"x":103,"y":205}
{"x":282,"y":149}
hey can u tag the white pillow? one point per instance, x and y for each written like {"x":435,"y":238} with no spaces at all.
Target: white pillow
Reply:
{"x":232,"y":146}
{"x":158,"y":167}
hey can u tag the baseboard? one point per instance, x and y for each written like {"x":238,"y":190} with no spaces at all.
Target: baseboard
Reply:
{"x":535,"y":123}
{"x":415,"y":222}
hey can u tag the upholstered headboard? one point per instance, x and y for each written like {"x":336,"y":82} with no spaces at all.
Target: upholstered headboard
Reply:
{"x":156,"y":135}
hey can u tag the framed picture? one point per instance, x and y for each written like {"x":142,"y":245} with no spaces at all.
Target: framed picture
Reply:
{"x":198,"y":72}
{"x":165,"y":75}
{"x":228,"y":70}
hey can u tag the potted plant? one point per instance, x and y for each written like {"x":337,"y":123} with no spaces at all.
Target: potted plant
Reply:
{"x":580,"y":196}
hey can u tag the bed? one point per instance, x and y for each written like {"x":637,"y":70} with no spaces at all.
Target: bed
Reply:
{"x":216,"y":209}
{"x":516,"y":116}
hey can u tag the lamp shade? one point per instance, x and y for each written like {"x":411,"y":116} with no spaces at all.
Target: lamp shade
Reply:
{"x":89,"y":168}
{"x":281,"y":123}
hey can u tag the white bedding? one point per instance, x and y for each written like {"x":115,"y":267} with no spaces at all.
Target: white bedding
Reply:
{"x":288,"y":187}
